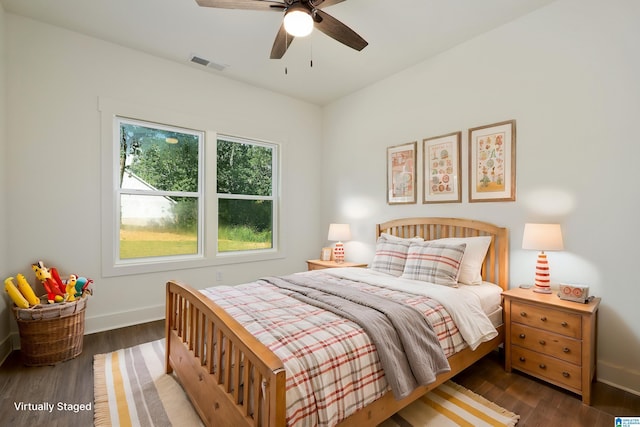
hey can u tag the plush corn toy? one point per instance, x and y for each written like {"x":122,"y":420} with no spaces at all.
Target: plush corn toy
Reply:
{"x":22,"y":295}
{"x":15,"y":295}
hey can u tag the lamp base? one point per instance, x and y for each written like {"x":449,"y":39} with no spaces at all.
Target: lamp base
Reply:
{"x":338,"y":253}
{"x":542,"y":281}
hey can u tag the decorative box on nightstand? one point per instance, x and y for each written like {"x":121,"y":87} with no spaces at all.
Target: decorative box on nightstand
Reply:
{"x":316,"y":264}
{"x":551,"y":339}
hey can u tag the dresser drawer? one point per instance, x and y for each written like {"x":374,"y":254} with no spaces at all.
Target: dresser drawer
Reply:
{"x":560,"y":322}
{"x":560,"y":346}
{"x":547,"y":367}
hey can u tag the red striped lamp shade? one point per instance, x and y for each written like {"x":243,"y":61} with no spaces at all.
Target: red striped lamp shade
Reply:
{"x":542,"y":237}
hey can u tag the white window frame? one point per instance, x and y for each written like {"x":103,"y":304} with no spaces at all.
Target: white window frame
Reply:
{"x":275,"y":190}
{"x":200,"y":194}
{"x":109,"y":110}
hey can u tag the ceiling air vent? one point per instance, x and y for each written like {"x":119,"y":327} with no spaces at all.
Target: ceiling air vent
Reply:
{"x":199,"y":60}
{"x":206,"y":63}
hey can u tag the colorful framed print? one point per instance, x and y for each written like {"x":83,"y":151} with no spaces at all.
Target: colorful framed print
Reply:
{"x":401,"y":173}
{"x":492,"y":162}
{"x":442,"y":169}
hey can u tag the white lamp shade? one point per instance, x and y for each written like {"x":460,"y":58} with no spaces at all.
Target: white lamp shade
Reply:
{"x":339,"y":232}
{"x":298,"y":22}
{"x":542,"y":237}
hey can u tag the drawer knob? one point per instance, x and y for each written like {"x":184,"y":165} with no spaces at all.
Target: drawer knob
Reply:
{"x":566,"y":374}
{"x":566,"y":350}
{"x":543,"y":318}
{"x":542,"y":342}
{"x":522,"y":359}
{"x":523,"y":313}
{"x":565,"y":324}
{"x":543,"y":366}
{"x":522,"y":336}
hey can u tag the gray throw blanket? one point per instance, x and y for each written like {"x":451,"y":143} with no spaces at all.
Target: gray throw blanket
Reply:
{"x":407,"y":346}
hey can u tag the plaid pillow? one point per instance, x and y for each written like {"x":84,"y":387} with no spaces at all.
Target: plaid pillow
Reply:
{"x":391,"y":254}
{"x":433,"y":262}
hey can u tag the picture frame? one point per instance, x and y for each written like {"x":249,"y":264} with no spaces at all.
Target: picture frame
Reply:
{"x":401,"y":173}
{"x":492,"y":162}
{"x":326,"y":254}
{"x":442,"y":164}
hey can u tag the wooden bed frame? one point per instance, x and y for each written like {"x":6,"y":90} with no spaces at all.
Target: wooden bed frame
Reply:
{"x":197,"y":330}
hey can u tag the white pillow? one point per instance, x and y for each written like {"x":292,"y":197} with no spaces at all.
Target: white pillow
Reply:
{"x":474,"y":254}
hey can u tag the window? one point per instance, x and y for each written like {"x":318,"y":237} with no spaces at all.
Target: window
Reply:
{"x":159,"y":190}
{"x":245,"y":189}
{"x":177,"y":196}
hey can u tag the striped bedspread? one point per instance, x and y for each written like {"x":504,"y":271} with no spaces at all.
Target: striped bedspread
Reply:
{"x":332,"y":366}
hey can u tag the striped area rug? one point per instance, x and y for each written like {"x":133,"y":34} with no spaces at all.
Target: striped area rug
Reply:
{"x":452,"y":405}
{"x":132,"y":389}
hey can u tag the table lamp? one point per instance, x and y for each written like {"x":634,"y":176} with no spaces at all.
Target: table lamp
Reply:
{"x":339,"y":232}
{"x":542,"y":237}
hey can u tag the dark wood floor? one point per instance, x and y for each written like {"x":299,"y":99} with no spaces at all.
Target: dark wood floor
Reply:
{"x":541,"y":404}
{"x":68,"y":382}
{"x":72,"y":382}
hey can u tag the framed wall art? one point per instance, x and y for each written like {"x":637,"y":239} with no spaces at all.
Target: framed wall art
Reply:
{"x":492,"y":162}
{"x":401,"y":173}
{"x":442,"y":169}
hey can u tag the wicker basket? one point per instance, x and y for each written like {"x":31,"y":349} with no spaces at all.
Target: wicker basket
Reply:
{"x":51,"y":334}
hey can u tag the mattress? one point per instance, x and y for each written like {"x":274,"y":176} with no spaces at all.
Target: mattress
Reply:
{"x":490,"y":297}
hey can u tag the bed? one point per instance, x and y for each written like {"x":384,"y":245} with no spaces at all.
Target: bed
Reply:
{"x":233,"y":378}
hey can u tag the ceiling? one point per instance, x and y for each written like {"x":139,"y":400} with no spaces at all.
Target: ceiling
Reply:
{"x":400,"y":33}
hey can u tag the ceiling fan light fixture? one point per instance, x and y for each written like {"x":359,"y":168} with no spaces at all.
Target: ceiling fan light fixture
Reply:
{"x":298,"y":21}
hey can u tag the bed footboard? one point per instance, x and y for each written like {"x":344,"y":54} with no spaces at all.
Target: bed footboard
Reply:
{"x":231,"y":378}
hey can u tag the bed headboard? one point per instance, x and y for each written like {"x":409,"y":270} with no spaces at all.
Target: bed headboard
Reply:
{"x":496,"y":263}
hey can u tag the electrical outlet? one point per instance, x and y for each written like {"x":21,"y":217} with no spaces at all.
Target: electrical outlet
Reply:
{"x":219,"y":276}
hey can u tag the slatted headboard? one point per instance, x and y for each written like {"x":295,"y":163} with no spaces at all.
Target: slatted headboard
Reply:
{"x":496,"y":264}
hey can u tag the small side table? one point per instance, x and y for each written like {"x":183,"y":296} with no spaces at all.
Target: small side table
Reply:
{"x":551,"y":339}
{"x":316,"y":264}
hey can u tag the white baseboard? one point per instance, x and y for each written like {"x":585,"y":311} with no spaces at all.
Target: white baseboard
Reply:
{"x":619,"y":377}
{"x":123,"y":319}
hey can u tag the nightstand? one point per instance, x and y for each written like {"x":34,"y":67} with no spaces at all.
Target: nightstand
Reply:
{"x":316,"y":264}
{"x":551,"y":339}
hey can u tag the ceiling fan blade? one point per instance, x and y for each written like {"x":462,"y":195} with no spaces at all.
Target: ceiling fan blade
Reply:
{"x":244,"y":4}
{"x":325,"y":3}
{"x":281,"y":43}
{"x":339,"y":31}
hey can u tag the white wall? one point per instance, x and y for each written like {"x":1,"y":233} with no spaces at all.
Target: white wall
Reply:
{"x":568,"y":74}
{"x":53,"y":150}
{"x":5,"y":312}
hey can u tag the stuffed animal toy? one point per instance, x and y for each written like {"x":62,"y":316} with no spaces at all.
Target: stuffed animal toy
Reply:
{"x":54,"y":294}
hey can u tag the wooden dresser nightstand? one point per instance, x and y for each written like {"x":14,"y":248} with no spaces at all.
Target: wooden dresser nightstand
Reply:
{"x":316,"y":264}
{"x":551,"y":339}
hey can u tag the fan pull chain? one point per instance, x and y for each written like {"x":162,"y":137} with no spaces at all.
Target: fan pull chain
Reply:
{"x":286,"y":43}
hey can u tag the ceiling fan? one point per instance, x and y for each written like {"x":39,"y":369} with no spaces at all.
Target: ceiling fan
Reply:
{"x":300,"y":17}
